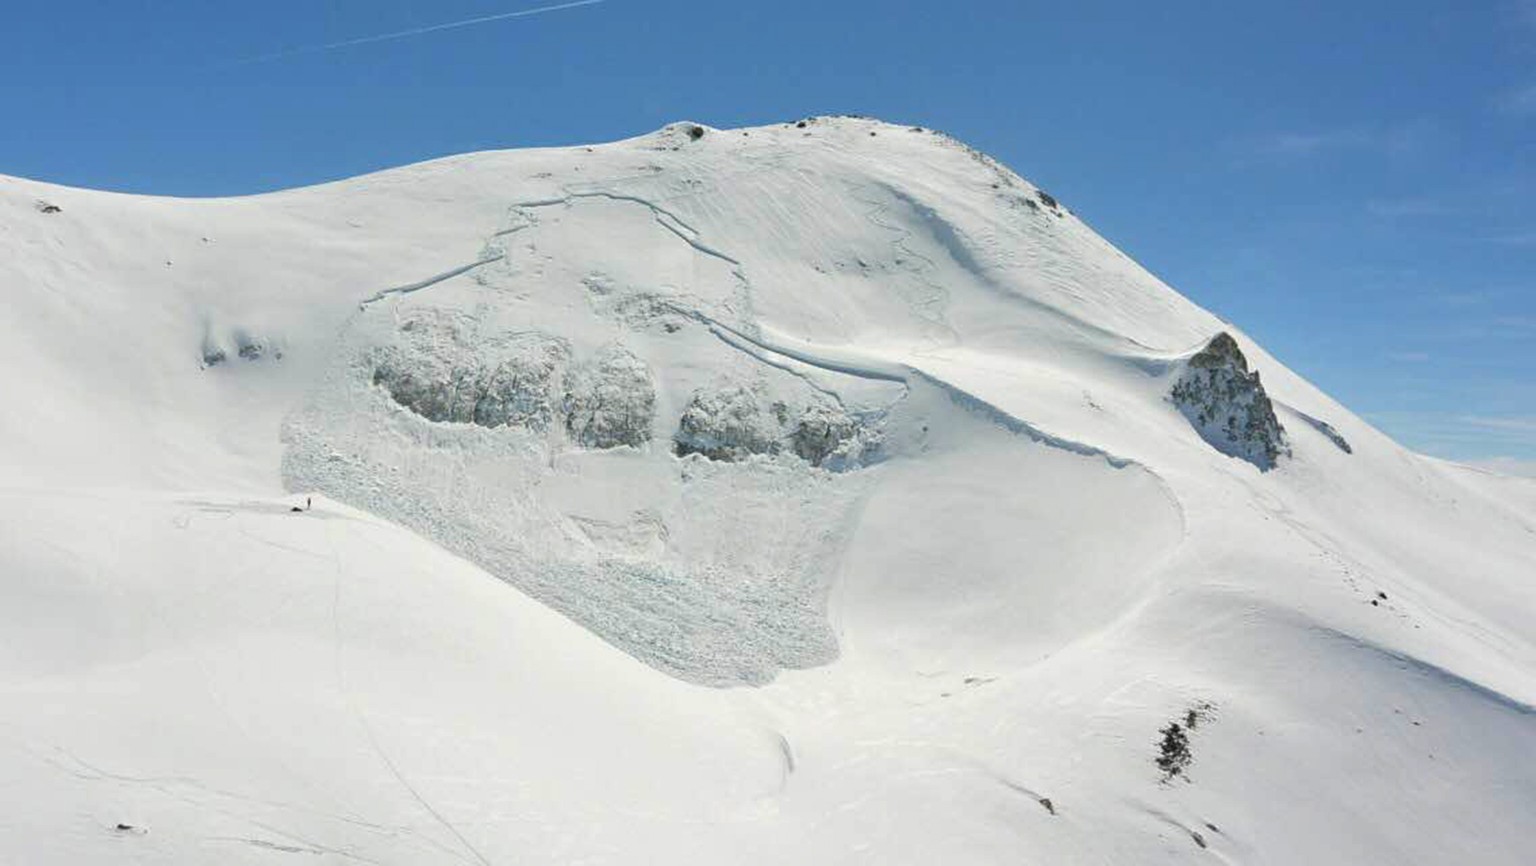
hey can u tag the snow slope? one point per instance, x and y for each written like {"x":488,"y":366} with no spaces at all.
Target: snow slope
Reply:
{"x":807,"y":493}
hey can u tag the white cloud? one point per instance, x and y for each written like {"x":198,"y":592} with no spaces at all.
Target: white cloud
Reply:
{"x":1515,"y":423}
{"x":416,"y":31}
{"x":1506,"y":466}
{"x":1467,"y":298}
{"x":1459,"y":437}
{"x":1408,"y":207}
{"x":1515,"y":239}
{"x":1520,"y":101}
{"x":1525,"y":11}
{"x":1306,"y":144}
{"x":1400,"y":140}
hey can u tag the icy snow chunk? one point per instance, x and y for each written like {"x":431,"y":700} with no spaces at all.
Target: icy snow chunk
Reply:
{"x":610,"y":400}
{"x":1227,"y":405}
{"x":820,"y":431}
{"x":736,"y":422}
{"x":730,"y":424}
{"x":438,"y":372}
{"x":826,"y":435}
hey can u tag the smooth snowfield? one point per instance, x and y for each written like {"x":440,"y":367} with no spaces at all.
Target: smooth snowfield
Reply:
{"x":938,"y":565}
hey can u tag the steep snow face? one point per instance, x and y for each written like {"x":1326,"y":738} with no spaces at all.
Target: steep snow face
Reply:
{"x":822,"y":492}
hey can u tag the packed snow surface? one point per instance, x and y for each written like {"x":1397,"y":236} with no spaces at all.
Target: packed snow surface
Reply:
{"x":815,"y":493}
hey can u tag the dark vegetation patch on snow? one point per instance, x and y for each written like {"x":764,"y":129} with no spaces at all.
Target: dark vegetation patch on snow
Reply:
{"x":1174,"y":754}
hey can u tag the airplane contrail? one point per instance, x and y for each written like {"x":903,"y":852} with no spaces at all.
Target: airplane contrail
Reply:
{"x":418,"y":31}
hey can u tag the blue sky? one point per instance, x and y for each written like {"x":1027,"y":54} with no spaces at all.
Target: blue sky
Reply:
{"x":1351,"y":183}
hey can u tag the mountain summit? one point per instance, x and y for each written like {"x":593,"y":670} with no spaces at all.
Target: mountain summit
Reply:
{"x":819,"y":492}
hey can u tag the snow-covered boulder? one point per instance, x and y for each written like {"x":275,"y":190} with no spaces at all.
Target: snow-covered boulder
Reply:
{"x":1227,"y":405}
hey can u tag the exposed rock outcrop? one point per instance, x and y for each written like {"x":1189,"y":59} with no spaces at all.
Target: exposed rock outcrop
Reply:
{"x":1227,"y":405}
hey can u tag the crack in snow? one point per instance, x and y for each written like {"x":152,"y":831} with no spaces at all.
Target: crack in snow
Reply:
{"x":429,"y":281}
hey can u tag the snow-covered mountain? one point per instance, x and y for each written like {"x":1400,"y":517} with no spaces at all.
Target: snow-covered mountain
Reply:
{"x":816,"y":493}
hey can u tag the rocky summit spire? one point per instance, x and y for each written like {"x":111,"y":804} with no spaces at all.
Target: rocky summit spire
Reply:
{"x":1227,"y":405}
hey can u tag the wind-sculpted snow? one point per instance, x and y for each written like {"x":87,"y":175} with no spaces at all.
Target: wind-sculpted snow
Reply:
{"x":870,"y":366}
{"x":1328,"y":430}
